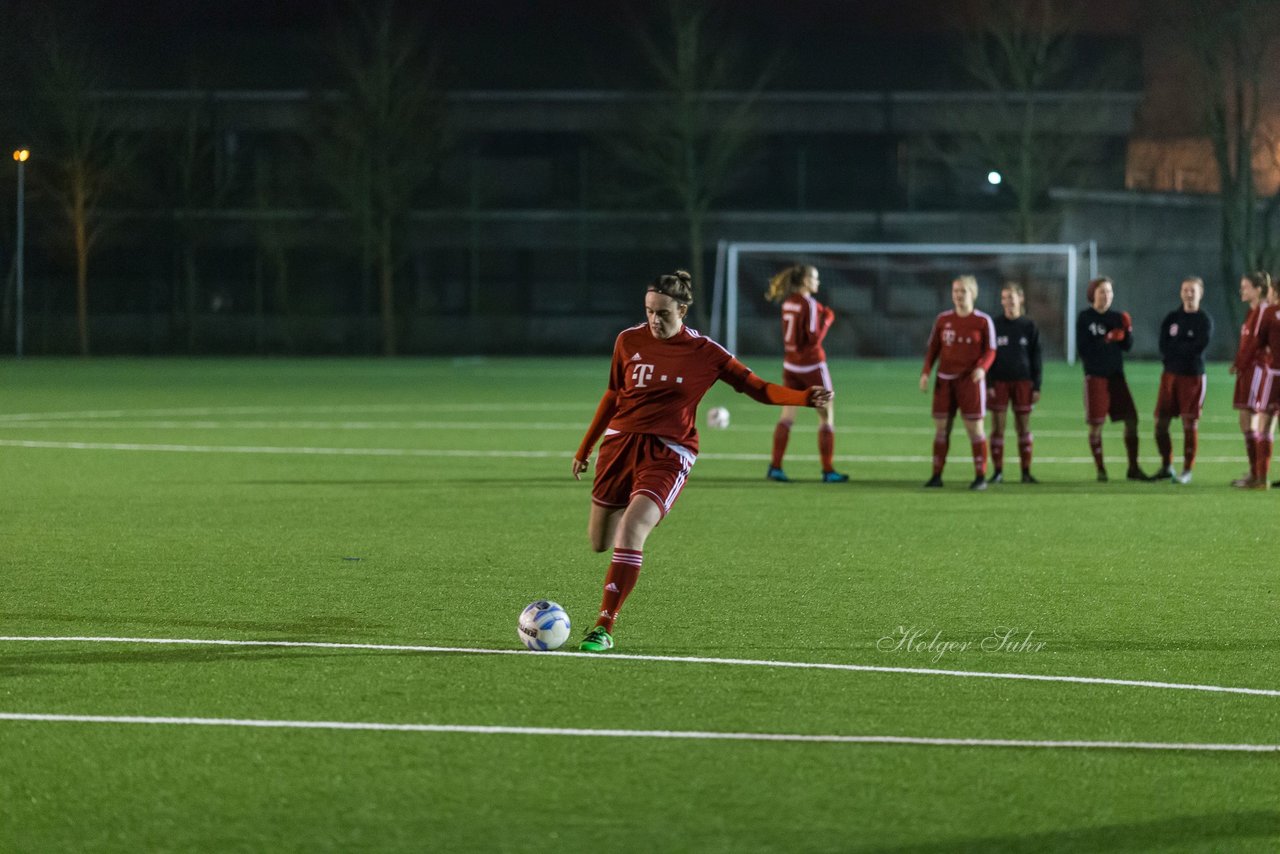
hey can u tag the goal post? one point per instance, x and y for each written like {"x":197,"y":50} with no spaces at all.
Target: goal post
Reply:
{"x":887,"y":294}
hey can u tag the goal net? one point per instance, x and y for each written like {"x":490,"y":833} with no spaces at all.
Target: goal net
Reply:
{"x":886,"y":295}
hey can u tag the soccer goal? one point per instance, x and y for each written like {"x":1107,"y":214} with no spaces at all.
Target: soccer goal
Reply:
{"x":886,"y":295}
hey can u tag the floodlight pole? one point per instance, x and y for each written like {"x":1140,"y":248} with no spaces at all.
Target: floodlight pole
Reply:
{"x":20,"y":156}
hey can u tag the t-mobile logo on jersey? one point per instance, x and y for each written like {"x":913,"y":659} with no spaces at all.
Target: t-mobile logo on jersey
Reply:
{"x":640,"y":374}
{"x":948,"y":336}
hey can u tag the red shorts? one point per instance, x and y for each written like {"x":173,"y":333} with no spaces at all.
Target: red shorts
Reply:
{"x":1240,"y":397}
{"x":1180,"y":396}
{"x":1261,"y":388}
{"x":1001,"y":392}
{"x":805,"y":376}
{"x":633,"y":464}
{"x":961,"y":394}
{"x":1107,"y":396}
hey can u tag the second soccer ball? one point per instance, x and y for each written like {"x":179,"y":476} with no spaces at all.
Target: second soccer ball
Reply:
{"x":718,"y":418}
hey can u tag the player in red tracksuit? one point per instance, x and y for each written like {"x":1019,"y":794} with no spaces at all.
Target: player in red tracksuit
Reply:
{"x":1264,"y":391}
{"x":805,"y":322}
{"x":963,"y":343}
{"x":1255,"y":288}
{"x":660,"y":372}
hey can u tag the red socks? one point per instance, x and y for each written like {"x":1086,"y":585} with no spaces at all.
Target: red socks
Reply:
{"x":1025,"y":441}
{"x":1251,"y":448}
{"x":997,"y":452}
{"x":979,"y":456}
{"x":1263,"y":465}
{"x":1095,"y":447}
{"x":781,"y":434}
{"x":624,"y":570}
{"x":941,"y":444}
{"x":826,"y":446}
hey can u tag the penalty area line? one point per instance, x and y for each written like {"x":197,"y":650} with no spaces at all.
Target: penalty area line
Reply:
{"x":699,"y":735}
{"x":663,"y":659}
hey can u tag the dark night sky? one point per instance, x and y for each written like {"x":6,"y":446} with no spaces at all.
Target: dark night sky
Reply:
{"x":552,"y":44}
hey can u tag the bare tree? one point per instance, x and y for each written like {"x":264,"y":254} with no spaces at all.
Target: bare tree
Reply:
{"x":1023,"y":53}
{"x":1233,"y":43}
{"x":83,"y":154}
{"x":382,"y":137}
{"x":689,"y":143}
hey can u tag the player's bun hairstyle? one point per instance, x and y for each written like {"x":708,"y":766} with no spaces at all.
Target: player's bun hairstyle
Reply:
{"x":1261,"y":280}
{"x":1093,"y":286}
{"x":787,"y":282}
{"x":677,"y":285}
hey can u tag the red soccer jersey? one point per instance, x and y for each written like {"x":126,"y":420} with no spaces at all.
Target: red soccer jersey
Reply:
{"x":805,"y":322}
{"x":1266,"y":337}
{"x":960,"y":344}
{"x":659,"y":382}
{"x":1248,"y":333}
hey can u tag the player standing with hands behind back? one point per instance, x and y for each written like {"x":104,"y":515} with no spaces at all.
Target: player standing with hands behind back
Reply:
{"x":963,"y":343}
{"x":1015,"y":377}
{"x":1184,"y":335}
{"x":1103,"y":337}
{"x":805,"y":323}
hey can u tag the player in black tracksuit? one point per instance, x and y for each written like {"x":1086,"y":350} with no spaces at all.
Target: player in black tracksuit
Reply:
{"x":1014,"y":377}
{"x":1184,"y":336}
{"x":1102,"y":338}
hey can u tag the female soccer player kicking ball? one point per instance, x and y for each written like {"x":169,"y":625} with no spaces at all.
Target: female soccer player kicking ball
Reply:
{"x":661,"y":370}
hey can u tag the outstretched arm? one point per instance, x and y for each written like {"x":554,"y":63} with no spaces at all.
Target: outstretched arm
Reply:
{"x":604,"y":413}
{"x":739,"y":376}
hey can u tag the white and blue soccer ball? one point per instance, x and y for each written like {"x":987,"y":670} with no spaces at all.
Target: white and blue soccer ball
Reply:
{"x":718,"y":418}
{"x":543,"y":625}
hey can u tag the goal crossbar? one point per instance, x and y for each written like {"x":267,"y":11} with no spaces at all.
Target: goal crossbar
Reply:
{"x":725,"y":292}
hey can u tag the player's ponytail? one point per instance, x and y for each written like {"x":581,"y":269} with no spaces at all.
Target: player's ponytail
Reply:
{"x":677,"y":285}
{"x":787,"y":282}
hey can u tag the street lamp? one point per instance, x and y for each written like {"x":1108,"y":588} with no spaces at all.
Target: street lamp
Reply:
{"x":20,"y":156}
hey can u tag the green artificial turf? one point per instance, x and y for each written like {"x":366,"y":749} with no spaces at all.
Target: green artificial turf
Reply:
{"x":424,"y":503}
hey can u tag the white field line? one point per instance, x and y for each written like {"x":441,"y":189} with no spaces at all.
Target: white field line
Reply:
{"x":193,"y":411}
{"x":663,"y":659}
{"x":372,"y":726}
{"x":472,"y":454}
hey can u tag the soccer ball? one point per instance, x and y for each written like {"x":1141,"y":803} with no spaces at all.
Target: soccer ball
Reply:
{"x":718,"y":418}
{"x":543,"y":625}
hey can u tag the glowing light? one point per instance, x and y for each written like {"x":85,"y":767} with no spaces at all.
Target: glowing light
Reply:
{"x":994,"y":178}
{"x":21,"y":155}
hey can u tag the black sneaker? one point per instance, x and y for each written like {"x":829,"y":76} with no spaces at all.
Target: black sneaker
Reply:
{"x":1135,"y":473}
{"x":997,"y":476}
{"x":934,"y":482}
{"x":1027,"y":478}
{"x":979,"y":484}
{"x":1102,"y":475}
{"x":1165,"y":473}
